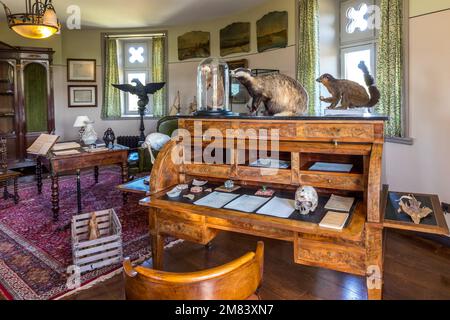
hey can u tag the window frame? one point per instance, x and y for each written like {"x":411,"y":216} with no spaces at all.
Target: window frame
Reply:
{"x":126,"y":68}
{"x":343,"y":45}
{"x":132,"y":34}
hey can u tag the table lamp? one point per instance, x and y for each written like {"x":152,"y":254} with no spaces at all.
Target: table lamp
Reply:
{"x":81,"y":123}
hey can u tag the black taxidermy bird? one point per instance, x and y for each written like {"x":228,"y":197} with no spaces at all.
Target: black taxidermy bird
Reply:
{"x":142,"y":92}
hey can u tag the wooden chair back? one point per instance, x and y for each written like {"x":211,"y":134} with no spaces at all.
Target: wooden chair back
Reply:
{"x":237,"y":280}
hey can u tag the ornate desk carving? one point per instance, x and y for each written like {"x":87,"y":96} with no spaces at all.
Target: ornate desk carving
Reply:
{"x":358,"y":249}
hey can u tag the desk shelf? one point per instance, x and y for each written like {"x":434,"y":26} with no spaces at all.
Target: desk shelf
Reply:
{"x":302,"y":142}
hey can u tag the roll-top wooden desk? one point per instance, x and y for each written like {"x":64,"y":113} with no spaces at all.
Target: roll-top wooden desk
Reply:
{"x":358,"y":249}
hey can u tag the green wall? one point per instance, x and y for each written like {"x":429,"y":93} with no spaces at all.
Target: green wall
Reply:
{"x":86,"y":43}
{"x":420,"y":7}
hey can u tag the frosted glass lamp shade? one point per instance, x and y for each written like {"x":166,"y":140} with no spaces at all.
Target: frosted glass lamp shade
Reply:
{"x":50,"y":18}
{"x":81,"y":122}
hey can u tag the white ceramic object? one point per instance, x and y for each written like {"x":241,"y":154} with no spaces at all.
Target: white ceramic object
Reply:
{"x":306,"y":200}
{"x":174,"y":193}
{"x":89,"y":136}
{"x":199,"y":183}
{"x":190,"y":197}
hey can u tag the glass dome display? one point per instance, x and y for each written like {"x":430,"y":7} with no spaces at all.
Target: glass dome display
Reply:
{"x":213,"y":87}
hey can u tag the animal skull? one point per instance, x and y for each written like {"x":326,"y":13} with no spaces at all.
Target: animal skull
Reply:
{"x":306,"y":200}
{"x":413,"y":208}
{"x":155,"y":141}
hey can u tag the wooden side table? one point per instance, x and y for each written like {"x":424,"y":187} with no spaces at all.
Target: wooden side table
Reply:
{"x":70,"y":164}
{"x":5,"y":178}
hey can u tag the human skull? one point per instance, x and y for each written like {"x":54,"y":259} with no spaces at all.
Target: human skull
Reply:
{"x":306,"y":200}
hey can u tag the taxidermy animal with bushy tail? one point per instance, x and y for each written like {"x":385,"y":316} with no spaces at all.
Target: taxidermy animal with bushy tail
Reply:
{"x":349,"y":93}
{"x":281,"y":95}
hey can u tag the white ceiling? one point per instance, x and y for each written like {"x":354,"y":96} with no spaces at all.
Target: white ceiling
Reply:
{"x":144,"y":13}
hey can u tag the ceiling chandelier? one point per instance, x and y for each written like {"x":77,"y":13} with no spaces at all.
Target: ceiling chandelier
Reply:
{"x":38,"y":22}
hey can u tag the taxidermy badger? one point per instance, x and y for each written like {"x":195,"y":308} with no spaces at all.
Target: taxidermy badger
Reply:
{"x":281,"y":95}
{"x":351,"y":94}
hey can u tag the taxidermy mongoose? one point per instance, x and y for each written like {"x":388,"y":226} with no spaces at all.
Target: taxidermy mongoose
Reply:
{"x":93,"y":229}
{"x":281,"y":95}
{"x":349,"y":93}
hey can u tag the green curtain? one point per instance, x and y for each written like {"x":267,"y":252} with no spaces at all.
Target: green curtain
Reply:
{"x":390,"y":66}
{"x":36,"y":92}
{"x":111,"y":100}
{"x":159,"y":75}
{"x":308,"y":50}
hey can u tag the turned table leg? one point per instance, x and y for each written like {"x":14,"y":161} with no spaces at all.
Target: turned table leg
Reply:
{"x":55,"y":196}
{"x":374,"y":261}
{"x":124,"y":180}
{"x":16,"y":191}
{"x":79,"y":191}
{"x":96,"y":174}
{"x":39,"y":175}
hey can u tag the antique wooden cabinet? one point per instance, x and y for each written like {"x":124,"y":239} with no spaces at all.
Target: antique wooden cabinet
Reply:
{"x":26,"y":98}
{"x":301,"y":141}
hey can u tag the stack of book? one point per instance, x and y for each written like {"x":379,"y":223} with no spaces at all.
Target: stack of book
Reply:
{"x":338,"y":214}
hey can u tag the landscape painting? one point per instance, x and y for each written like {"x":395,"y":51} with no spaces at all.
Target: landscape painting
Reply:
{"x":235,"y":38}
{"x":195,"y":44}
{"x":272,"y":31}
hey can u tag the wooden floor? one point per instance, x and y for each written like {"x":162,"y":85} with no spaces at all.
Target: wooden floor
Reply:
{"x":415,"y":268}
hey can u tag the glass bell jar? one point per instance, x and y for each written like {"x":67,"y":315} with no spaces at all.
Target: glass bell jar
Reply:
{"x":213,"y":88}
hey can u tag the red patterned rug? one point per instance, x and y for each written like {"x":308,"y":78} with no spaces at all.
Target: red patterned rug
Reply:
{"x":34,"y":255}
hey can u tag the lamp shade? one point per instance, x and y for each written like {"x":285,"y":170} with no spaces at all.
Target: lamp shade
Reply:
{"x":50,"y":18}
{"x":81,"y":122}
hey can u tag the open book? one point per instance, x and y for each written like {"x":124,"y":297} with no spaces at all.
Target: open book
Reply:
{"x":43,"y":144}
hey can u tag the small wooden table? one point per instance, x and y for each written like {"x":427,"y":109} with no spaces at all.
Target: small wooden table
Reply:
{"x":137,"y":186}
{"x":5,"y":178}
{"x":67,"y":164}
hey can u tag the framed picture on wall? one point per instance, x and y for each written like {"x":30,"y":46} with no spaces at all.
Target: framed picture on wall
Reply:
{"x":82,"y":96}
{"x":81,"y":70}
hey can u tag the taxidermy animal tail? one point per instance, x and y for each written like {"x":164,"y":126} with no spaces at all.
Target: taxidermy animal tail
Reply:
{"x":370,"y":82}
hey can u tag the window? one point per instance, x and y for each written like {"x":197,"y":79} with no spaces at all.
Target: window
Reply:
{"x":376,"y":31}
{"x":135,"y":65}
{"x":352,"y":56}
{"x":359,"y":33}
{"x":131,"y":57}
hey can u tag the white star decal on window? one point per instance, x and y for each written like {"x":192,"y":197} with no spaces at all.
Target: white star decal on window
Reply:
{"x":357,"y":19}
{"x":136,"y":54}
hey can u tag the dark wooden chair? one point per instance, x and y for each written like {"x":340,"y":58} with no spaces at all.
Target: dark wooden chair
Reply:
{"x":237,"y":280}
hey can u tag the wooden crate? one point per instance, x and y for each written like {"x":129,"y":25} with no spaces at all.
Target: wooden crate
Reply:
{"x":105,"y":251}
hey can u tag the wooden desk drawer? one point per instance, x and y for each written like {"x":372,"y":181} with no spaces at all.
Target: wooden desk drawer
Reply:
{"x":85,"y":161}
{"x":186,"y":217}
{"x":348,"y":182}
{"x":330,"y":132}
{"x":195,"y":232}
{"x":258,"y":130}
{"x":199,"y":127}
{"x":345,"y":258}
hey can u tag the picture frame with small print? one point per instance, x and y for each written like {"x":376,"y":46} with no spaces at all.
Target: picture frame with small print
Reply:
{"x":82,"y":96}
{"x":81,"y":70}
